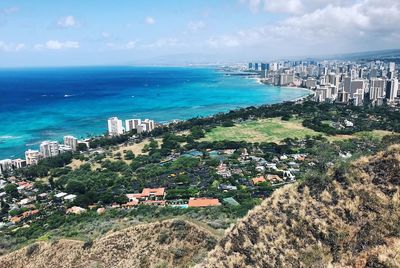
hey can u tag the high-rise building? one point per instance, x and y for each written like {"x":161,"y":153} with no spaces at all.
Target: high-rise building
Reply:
{"x":355,"y":85}
{"x":32,"y":157}
{"x":392,"y":89}
{"x":311,"y":83}
{"x":149,"y":124}
{"x":373,"y":73}
{"x":115,"y":127}
{"x":49,"y":148}
{"x":71,"y":141}
{"x":358,"y":97}
{"x":264,"y":66}
{"x":18,"y":163}
{"x":5,"y":165}
{"x":274,"y":66}
{"x":346,"y":84}
{"x":250,"y":65}
{"x":131,"y":124}
{"x":343,"y":96}
{"x":377,"y":89}
{"x":285,"y":79}
{"x":392,"y":66}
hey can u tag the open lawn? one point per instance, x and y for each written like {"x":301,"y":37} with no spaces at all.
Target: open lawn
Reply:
{"x":276,"y":130}
{"x":263,"y":130}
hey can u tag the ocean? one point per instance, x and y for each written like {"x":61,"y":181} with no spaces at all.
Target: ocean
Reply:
{"x":46,"y":104}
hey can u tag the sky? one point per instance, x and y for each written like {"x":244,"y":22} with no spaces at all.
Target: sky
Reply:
{"x":119,"y":32}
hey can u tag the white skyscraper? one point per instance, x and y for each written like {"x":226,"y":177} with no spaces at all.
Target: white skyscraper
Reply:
{"x":376,"y":89}
{"x":392,"y":66}
{"x":49,"y":148}
{"x":149,"y":124}
{"x":5,"y":165}
{"x":115,"y":126}
{"x":32,"y":157}
{"x":131,"y":124}
{"x":71,"y":141}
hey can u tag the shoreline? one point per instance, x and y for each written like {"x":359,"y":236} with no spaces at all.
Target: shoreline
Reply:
{"x":167,"y":122}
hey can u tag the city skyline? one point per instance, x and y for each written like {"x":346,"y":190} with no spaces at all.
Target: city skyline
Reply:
{"x":71,"y":33}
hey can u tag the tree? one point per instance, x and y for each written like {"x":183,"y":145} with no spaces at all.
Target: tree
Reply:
{"x":74,"y":186}
{"x":82,"y":147}
{"x":12,"y":190}
{"x":5,"y":207}
{"x":129,"y":155}
{"x":197,"y":132}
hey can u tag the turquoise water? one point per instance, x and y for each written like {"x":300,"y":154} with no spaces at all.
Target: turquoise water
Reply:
{"x":41,"y":104}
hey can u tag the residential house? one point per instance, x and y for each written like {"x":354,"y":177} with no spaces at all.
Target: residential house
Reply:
{"x":258,"y":180}
{"x":203,"y":202}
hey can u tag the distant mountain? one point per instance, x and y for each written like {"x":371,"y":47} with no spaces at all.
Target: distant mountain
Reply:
{"x":350,"y":219}
{"x":367,"y":55}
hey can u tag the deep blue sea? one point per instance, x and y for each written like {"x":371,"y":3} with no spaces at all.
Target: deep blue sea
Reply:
{"x":40,"y":104}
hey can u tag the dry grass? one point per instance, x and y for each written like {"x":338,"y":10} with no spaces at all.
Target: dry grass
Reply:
{"x":352,"y":222}
{"x":172,"y":243}
{"x":135,"y":148}
{"x":263,"y":130}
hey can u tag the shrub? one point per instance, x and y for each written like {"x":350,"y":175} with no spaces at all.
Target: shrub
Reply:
{"x":87,"y":244}
{"x":31,"y":249}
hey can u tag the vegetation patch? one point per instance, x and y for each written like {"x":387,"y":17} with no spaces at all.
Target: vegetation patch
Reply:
{"x":262,"y":130}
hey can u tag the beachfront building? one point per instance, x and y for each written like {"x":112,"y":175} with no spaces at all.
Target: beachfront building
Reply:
{"x":115,"y":127}
{"x":72,"y":142}
{"x":149,"y":124}
{"x":64,"y":148}
{"x":49,"y":148}
{"x":131,"y":124}
{"x":32,"y":157}
{"x":146,"y":126}
{"x":18,"y":163}
{"x":5,"y":165}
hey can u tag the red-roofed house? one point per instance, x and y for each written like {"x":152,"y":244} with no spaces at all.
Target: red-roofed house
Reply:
{"x":274,"y":178}
{"x":153,"y":192}
{"x":258,"y":180}
{"x":148,"y":194}
{"x":203,"y":202}
{"x":30,"y":213}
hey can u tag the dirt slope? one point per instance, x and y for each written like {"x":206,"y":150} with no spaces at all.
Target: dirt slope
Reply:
{"x":353,"y":220}
{"x":173,"y":243}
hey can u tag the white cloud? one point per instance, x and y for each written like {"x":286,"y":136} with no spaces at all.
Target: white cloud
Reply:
{"x":10,"y":10}
{"x":288,"y":6}
{"x":291,"y":6}
{"x":105,"y":35}
{"x":127,"y":46}
{"x":150,"y":20}
{"x":224,"y":41}
{"x":195,"y":26}
{"x":57,"y":45}
{"x":10,"y":47}
{"x":68,"y":22}
{"x":165,"y":42}
{"x":342,"y":26}
{"x":254,"y":5}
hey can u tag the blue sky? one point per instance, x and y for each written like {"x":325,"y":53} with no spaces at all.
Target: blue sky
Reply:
{"x":77,"y":32}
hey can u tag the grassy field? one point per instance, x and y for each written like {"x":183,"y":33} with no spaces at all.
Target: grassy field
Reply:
{"x":264,"y":130}
{"x":276,"y":130}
